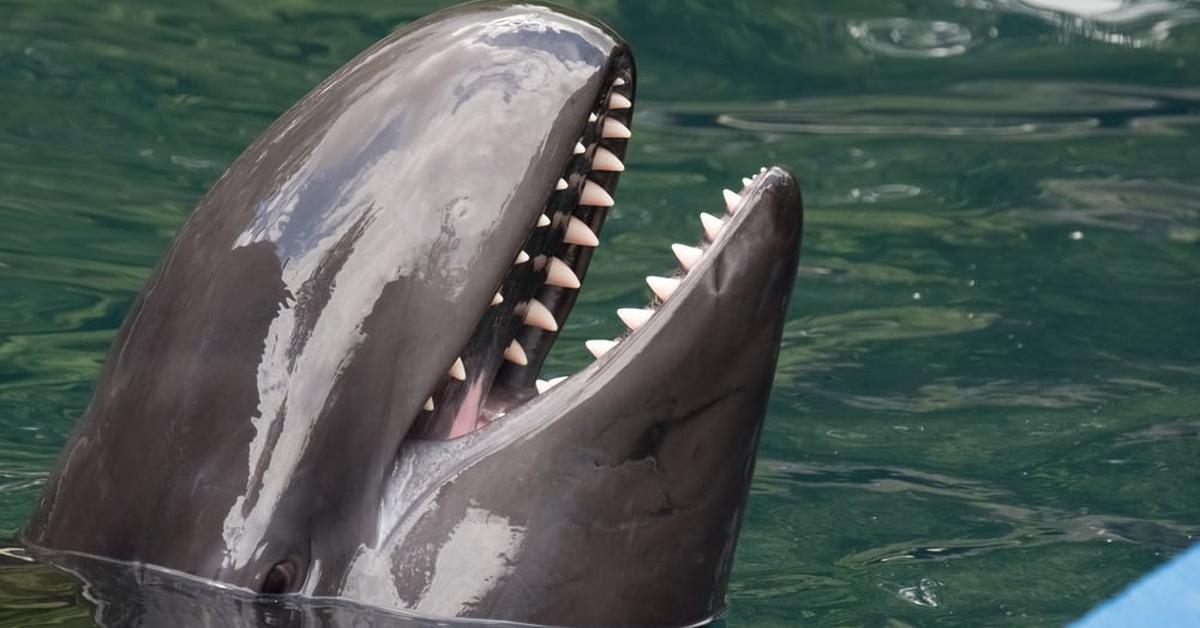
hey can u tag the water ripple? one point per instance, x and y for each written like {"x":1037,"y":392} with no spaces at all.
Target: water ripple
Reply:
{"x":951,"y":395}
{"x":813,"y":343}
{"x":1128,"y":23}
{"x":973,"y":109}
{"x":913,"y":39}
{"x":1158,"y":209}
{"x":1010,"y":524}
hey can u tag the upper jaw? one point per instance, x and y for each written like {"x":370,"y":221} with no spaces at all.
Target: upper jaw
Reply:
{"x":499,"y":361}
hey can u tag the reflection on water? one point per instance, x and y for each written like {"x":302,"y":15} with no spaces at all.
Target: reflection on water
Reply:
{"x":1132,"y":23}
{"x":1127,"y":23}
{"x":1161,"y":209}
{"x":114,"y":595}
{"x":987,"y":409}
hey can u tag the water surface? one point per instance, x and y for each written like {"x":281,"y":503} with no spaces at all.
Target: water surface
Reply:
{"x":987,"y":410}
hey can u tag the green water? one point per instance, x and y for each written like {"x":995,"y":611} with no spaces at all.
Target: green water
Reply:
{"x":987,"y":410}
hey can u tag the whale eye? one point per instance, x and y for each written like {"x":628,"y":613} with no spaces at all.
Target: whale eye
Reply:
{"x":280,"y":578}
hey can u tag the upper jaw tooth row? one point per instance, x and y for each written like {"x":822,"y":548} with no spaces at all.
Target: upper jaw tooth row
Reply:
{"x":558,"y":273}
{"x":665,"y":287}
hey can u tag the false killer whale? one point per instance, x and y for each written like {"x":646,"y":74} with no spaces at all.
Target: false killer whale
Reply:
{"x":329,"y":386}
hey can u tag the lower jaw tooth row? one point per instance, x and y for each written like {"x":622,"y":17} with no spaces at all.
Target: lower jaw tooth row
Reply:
{"x":600,"y":347}
{"x":664,"y":287}
{"x":688,"y":256}
{"x":633,"y":317}
{"x":712,"y":225}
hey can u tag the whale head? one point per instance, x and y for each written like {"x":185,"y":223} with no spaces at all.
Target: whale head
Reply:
{"x":331,"y":383}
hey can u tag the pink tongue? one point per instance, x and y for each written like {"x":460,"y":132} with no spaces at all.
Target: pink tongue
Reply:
{"x":466,"y":420}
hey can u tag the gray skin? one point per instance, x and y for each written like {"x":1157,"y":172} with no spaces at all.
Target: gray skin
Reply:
{"x":259,"y":419}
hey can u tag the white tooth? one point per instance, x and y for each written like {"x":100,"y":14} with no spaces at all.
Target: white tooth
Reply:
{"x":429,"y":404}
{"x":747,"y":182}
{"x":617,"y":101}
{"x":579,"y":233}
{"x":687,"y":255}
{"x":595,"y":195}
{"x":522,"y":257}
{"x":606,"y":161}
{"x":663,"y":287}
{"x":615,"y":130}
{"x":619,"y":82}
{"x":592,"y":117}
{"x":543,"y":385}
{"x":538,"y":315}
{"x":712,"y":225}
{"x":543,"y":221}
{"x":600,"y":347}
{"x":634,"y":317}
{"x":497,"y":300}
{"x":458,"y":370}
{"x":561,"y":275}
{"x":516,"y":354}
{"x":762,"y":170}
{"x":561,"y":185}
{"x":579,"y":149}
{"x":732,"y":199}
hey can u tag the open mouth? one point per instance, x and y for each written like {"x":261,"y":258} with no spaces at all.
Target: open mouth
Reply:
{"x":499,"y":366}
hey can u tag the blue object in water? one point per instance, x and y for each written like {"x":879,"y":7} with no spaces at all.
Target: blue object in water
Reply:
{"x":1167,"y":598}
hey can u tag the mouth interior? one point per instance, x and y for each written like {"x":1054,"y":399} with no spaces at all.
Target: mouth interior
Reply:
{"x":499,"y":365}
